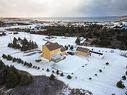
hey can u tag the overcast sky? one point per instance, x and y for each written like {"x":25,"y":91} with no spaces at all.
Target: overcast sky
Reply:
{"x":65,"y":8}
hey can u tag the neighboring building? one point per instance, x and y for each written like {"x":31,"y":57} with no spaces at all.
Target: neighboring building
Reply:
{"x":83,"y":51}
{"x":50,"y":50}
{"x":2,"y":33}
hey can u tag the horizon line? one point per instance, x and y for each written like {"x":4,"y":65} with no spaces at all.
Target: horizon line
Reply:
{"x":14,"y":17}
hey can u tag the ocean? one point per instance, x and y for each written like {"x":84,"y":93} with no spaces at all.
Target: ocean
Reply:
{"x":79,"y":19}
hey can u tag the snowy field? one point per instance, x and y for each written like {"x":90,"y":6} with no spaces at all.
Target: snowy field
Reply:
{"x":80,"y":68}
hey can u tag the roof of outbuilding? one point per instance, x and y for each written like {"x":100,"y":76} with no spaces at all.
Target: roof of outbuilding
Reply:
{"x":82,"y":49}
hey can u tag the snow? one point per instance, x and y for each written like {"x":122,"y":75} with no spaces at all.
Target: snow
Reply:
{"x":69,"y":62}
{"x":80,"y":68}
{"x":103,"y":83}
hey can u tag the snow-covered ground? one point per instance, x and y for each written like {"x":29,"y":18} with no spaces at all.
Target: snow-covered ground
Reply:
{"x":80,"y":68}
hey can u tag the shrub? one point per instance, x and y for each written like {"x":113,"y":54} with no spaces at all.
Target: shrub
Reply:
{"x":52,"y":77}
{"x":47,"y":70}
{"x":25,"y":63}
{"x":71,"y":48}
{"x":19,"y":60}
{"x":120,"y":84}
{"x":124,"y":77}
{"x":61,"y":74}
{"x":90,"y":78}
{"x":69,"y":77}
{"x":57,"y":72}
{"x":53,"y":72}
{"x":22,"y":62}
{"x":77,"y":41}
{"x":9,"y":57}
{"x":14,"y":60}
{"x":100,"y":70}
{"x":39,"y":60}
{"x":126,"y":72}
{"x":30,"y":65}
{"x":33,"y":66}
{"x":4,"y":56}
{"x":95,"y":74}
{"x":19,"y":39}
{"x":10,"y":45}
{"x":107,"y":63}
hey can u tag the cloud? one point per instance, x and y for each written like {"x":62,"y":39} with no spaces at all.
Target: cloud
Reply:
{"x":105,"y":8}
{"x":43,"y":8}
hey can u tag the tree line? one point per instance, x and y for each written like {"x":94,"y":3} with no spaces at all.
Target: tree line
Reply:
{"x":22,"y":44}
{"x":11,"y":77}
{"x":103,"y":36}
{"x":18,"y":60}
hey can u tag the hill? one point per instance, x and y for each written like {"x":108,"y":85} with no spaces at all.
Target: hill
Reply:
{"x":41,"y":86}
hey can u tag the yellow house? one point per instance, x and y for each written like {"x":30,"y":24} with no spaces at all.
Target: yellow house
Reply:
{"x":83,"y":51}
{"x":51,"y":49}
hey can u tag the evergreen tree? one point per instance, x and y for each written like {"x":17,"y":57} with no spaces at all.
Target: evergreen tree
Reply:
{"x":19,"y":39}
{"x":61,"y":74}
{"x":69,"y":77}
{"x":9,"y":57}
{"x":1,"y":64}
{"x":71,"y":48}
{"x":124,"y":77}
{"x":52,"y":77}
{"x":47,"y":70}
{"x":4,"y":56}
{"x":57,"y":72}
{"x":120,"y":84}
{"x":14,"y":42}
{"x":77,"y":41}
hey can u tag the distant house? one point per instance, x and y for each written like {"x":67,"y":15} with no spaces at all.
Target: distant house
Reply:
{"x":2,"y":33}
{"x":51,"y":50}
{"x":83,"y":51}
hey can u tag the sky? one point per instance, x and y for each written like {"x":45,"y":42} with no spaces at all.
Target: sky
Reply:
{"x":64,"y":8}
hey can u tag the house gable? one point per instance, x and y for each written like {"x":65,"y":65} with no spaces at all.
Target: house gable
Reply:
{"x":51,"y":49}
